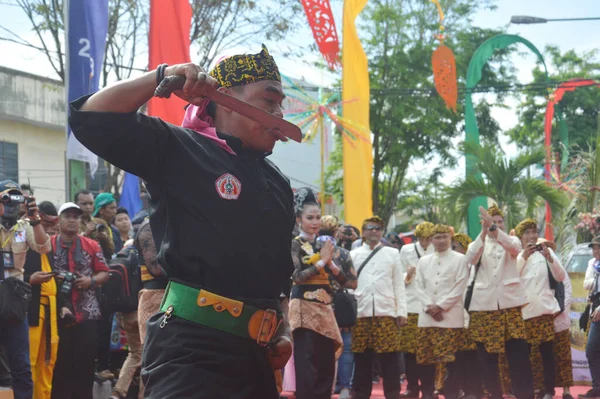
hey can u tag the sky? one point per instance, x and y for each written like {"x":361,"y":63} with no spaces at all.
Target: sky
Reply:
{"x":583,"y":35}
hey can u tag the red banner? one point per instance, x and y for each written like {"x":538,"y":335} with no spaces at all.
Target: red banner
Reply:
{"x":554,"y":99}
{"x":169,"y":42}
{"x":320,"y":19}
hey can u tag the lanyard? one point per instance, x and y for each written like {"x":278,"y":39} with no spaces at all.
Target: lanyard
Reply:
{"x":10,"y":234}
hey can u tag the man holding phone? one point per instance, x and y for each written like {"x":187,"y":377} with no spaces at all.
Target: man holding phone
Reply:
{"x":16,"y":238}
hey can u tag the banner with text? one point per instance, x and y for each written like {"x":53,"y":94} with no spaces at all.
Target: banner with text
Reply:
{"x":87,"y":28}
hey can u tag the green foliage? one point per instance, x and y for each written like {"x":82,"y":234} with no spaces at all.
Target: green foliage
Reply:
{"x":422,"y":200}
{"x":507,"y":182}
{"x":580,"y":107}
{"x":399,"y":42}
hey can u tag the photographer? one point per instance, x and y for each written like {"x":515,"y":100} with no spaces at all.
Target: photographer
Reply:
{"x":16,"y":237}
{"x":81,"y":265}
{"x":346,"y":235}
{"x":91,"y":227}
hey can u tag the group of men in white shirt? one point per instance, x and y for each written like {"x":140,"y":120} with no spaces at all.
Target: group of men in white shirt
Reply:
{"x":423,"y":289}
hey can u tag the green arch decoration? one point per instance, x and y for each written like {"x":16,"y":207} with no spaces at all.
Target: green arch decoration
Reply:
{"x":478,"y":61}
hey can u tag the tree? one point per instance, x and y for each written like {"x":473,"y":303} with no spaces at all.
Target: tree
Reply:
{"x":409,"y":121}
{"x":217,"y":25}
{"x":422,"y":200}
{"x":506,"y":182}
{"x":580,"y":107}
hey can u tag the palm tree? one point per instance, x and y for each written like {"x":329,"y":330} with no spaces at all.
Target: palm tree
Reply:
{"x":506,"y":182}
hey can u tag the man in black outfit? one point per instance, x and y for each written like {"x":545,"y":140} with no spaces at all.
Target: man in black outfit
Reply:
{"x":219,"y":334}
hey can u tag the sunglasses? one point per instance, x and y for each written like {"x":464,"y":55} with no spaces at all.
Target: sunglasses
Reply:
{"x":376,"y":228}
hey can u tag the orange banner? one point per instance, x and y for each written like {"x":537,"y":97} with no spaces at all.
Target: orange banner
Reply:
{"x":358,"y":154}
{"x":169,"y":42}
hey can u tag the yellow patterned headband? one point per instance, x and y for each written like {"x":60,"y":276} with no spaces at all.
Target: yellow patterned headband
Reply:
{"x":442,"y":229}
{"x":243,"y":69}
{"x":495,"y":211}
{"x":524,"y":226}
{"x":423,"y":230}
{"x":463,"y":239}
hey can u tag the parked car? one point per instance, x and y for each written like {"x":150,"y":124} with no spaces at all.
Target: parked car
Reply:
{"x":577,"y":260}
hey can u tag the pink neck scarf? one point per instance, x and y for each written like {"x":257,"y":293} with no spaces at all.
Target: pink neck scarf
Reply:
{"x":197,"y":118}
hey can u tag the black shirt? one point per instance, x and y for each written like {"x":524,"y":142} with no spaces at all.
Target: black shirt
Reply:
{"x":220,"y":209}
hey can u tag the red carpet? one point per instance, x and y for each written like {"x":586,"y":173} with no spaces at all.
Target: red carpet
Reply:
{"x":378,"y":392}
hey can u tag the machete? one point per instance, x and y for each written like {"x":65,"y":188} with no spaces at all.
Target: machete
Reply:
{"x":171,"y":83}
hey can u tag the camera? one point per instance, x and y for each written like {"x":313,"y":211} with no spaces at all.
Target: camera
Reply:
{"x":8,"y":198}
{"x":68,"y":280}
{"x":29,"y":200}
{"x":100,"y":227}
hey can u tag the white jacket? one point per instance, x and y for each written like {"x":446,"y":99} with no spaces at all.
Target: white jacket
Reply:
{"x":534,"y":272}
{"x":590,"y":275}
{"x":410,"y":258}
{"x":441,"y":280}
{"x":562,"y":322}
{"x":498,"y":284}
{"x":380,"y":290}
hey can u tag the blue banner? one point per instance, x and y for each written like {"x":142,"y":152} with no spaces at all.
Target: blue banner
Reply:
{"x":87,"y":28}
{"x":130,"y":195}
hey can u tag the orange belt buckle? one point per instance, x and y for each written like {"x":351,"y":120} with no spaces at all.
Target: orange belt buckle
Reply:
{"x":268,"y":327}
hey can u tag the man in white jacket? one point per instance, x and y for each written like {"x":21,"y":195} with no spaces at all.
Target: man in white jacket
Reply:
{"x":592,"y":349}
{"x":381,"y":311}
{"x":409,"y":256}
{"x":497,"y":324}
{"x":539,"y":268}
{"x":441,"y":282}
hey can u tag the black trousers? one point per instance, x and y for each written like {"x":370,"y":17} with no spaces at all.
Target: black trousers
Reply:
{"x":189,"y":360}
{"x":517,"y":354}
{"x":103,"y":342}
{"x":427,"y":376}
{"x":548,"y":362}
{"x":390,"y":371}
{"x":470,"y":376}
{"x":74,"y":370}
{"x":314,"y":359}
{"x":415,"y":372}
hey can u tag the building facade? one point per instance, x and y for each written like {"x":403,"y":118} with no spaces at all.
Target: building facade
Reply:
{"x":32,"y":133}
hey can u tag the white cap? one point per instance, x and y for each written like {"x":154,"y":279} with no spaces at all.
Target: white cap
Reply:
{"x":67,"y":206}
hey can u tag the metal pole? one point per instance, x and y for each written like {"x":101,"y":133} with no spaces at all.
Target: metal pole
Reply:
{"x":66,"y":86}
{"x":575,"y":19}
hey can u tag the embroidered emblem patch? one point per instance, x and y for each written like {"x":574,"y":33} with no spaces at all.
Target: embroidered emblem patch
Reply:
{"x":229,"y":187}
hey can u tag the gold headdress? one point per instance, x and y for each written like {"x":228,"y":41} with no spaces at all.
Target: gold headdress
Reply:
{"x":442,"y":229}
{"x":463,"y":239}
{"x":495,"y":211}
{"x":525,"y":225}
{"x":374,"y":219}
{"x":423,"y":230}
{"x":329,"y":223}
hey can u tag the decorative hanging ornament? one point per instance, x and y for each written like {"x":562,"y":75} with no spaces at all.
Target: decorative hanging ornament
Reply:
{"x":320,"y":19}
{"x":444,"y":66}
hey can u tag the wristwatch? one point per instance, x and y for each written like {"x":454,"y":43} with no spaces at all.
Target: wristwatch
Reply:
{"x":93,"y":284}
{"x":493,"y":228}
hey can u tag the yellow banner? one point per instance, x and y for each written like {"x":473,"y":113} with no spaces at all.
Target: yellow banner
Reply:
{"x":358,"y":153}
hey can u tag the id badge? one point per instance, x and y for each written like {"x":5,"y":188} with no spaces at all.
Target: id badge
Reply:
{"x":8,"y":260}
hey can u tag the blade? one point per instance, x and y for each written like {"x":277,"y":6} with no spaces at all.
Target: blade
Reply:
{"x":172,"y":83}
{"x":258,"y":115}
